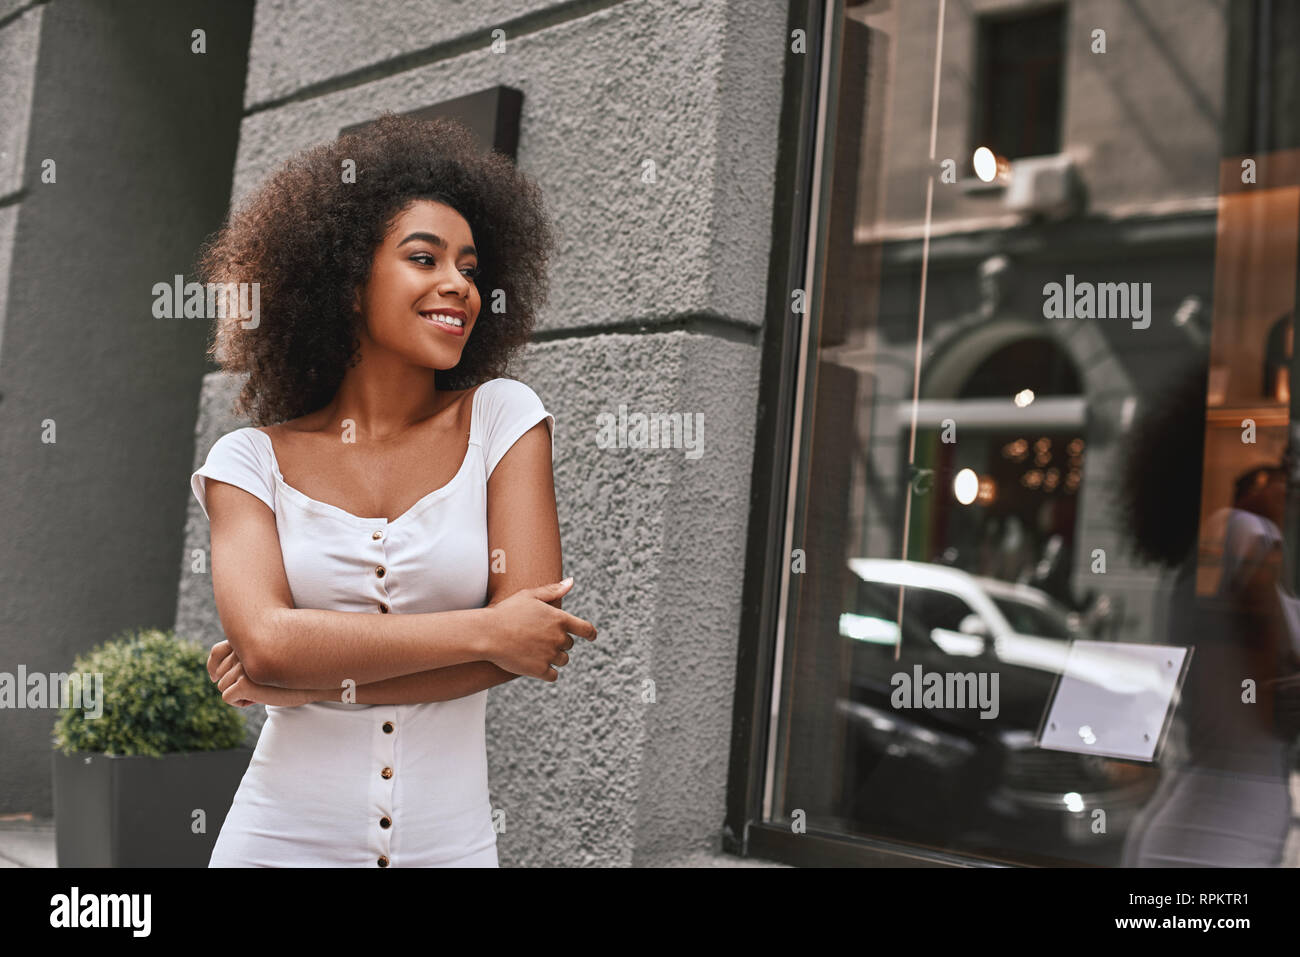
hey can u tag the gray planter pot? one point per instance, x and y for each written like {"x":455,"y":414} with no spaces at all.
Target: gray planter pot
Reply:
{"x":117,"y":811}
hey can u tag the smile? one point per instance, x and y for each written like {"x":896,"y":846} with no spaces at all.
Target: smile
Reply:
{"x":447,"y":323}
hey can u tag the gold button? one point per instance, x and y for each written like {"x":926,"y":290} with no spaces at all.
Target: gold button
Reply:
{"x":379,"y":570}
{"x":388,"y":727}
{"x":385,"y":822}
{"x":383,"y":609}
{"x":376,"y":535}
{"x":386,"y":773}
{"x":383,"y":862}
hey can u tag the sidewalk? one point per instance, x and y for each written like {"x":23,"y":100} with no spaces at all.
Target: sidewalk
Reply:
{"x":30,"y":843}
{"x":27,"y":843}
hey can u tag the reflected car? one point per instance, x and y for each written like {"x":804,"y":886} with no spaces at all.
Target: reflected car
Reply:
{"x":946,"y":775}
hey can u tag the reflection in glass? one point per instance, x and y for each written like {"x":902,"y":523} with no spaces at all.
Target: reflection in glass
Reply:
{"x":994,"y":484}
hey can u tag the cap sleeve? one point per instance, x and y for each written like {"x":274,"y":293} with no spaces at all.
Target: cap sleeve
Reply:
{"x":510,"y":408}
{"x":235,"y":458}
{"x":1249,"y":542}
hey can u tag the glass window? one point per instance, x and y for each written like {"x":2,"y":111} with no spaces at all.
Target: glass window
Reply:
{"x":1046,"y":619}
{"x":1021,"y":61}
{"x":1046,"y":495}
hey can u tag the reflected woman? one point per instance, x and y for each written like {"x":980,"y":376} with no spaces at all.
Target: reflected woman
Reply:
{"x":1223,"y":799}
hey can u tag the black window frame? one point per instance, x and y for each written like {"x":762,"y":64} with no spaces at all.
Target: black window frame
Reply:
{"x":799,"y":162}
{"x":984,"y":22}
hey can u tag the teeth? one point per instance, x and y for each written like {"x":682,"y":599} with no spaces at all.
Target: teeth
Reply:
{"x":445,"y":320}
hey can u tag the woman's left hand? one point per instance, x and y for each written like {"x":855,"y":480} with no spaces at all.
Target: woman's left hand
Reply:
{"x":237,"y":689}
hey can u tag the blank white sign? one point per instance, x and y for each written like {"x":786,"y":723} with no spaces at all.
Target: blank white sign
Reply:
{"x":1113,"y":698}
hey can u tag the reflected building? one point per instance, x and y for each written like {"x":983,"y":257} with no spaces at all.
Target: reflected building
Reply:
{"x":989,"y":348}
{"x":1134,"y":134}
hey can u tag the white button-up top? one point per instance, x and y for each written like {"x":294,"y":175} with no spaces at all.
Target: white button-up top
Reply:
{"x":333,"y":784}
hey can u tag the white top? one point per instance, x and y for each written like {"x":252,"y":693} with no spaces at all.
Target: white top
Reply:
{"x":315,"y":793}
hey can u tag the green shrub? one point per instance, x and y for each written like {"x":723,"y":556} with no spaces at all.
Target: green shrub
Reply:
{"x":157,"y":699}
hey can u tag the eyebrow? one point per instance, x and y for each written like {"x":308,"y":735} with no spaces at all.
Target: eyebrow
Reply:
{"x":437,"y":241}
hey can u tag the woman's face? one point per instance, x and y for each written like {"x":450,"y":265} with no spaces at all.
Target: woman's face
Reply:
{"x":425,"y":266}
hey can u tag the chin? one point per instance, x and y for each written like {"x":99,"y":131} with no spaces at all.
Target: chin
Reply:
{"x":445,"y":365}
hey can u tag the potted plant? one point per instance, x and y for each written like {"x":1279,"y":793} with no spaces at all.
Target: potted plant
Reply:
{"x":145,"y":776}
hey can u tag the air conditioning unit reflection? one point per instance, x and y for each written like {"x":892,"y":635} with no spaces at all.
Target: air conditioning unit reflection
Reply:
{"x":1047,"y":186}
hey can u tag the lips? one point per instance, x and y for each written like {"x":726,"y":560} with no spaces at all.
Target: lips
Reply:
{"x":451,"y":321}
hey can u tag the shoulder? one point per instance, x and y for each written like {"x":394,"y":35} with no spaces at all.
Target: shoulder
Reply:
{"x":1242,"y":525}
{"x":507,"y":392}
{"x":247,"y":448}
{"x":500,"y":402}
{"x":237,"y":458}
{"x":238,"y":440}
{"x":506,"y":409}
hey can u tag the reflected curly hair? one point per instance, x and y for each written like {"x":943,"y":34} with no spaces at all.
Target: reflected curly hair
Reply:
{"x":308,"y":239}
{"x":1160,"y":482}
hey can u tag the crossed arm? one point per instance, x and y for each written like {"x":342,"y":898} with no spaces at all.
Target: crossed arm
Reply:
{"x":523,"y":530}
{"x":440,"y":684}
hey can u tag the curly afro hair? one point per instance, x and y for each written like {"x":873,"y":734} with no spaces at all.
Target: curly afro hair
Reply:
{"x":1160,"y":485}
{"x":308,"y":239}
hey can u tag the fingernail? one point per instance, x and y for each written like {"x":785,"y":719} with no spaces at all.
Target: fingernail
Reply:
{"x":567,"y":581}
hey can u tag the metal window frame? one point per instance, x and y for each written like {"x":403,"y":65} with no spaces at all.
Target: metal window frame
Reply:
{"x":787,"y":380}
{"x":983,"y":20}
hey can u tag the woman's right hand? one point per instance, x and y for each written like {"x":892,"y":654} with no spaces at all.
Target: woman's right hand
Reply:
{"x":527,"y":635}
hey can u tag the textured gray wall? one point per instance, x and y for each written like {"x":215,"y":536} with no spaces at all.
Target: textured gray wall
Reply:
{"x":142,"y":132}
{"x":19,"y":43}
{"x":657,"y":302}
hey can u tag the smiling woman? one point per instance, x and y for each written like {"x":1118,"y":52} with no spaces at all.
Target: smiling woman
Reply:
{"x":309,"y":236}
{"x":356,"y":593}
{"x":415,"y":264}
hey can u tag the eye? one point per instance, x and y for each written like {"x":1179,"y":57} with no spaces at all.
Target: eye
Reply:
{"x":471,"y":273}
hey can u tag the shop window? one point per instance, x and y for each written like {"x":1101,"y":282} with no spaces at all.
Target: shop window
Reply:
{"x":979,"y":485}
{"x":1021,"y":59}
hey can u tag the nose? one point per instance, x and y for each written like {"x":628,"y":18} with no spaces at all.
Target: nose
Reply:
{"x":453,"y":283}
